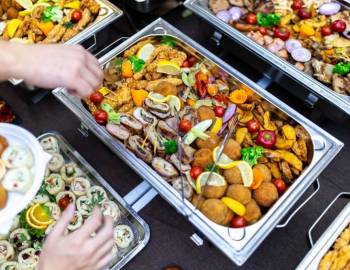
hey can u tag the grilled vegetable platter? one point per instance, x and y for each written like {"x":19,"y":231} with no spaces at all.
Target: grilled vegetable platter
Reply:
{"x":68,"y":180}
{"x":314,"y":36}
{"x":45,"y":21}
{"x":172,"y":107}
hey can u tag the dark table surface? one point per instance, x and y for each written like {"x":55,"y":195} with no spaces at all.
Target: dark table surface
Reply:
{"x":170,"y":232}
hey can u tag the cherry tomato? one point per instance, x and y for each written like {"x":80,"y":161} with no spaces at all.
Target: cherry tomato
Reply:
{"x":192,"y":60}
{"x":101,"y":117}
{"x":253,"y":126}
{"x":280,"y":185}
{"x":76,"y":16}
{"x":185,"y":64}
{"x":326,"y":30}
{"x":297,"y":5}
{"x":282,"y":33}
{"x":221,"y":98}
{"x":251,"y":18}
{"x":219,"y":111}
{"x":338,"y":26}
{"x":64,"y":202}
{"x":96,"y":97}
{"x":304,"y":14}
{"x":238,"y":222}
{"x":196,"y":171}
{"x":185,"y":125}
{"x":262,"y":30}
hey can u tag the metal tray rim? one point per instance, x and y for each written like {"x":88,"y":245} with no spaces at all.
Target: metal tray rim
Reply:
{"x":338,"y":100}
{"x":333,"y":144}
{"x":142,"y":244}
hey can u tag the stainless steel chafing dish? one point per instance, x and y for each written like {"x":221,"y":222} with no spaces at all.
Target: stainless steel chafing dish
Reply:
{"x":108,"y":13}
{"x":237,"y":244}
{"x":201,"y":8}
{"x":326,"y":241}
{"x":129,"y":216}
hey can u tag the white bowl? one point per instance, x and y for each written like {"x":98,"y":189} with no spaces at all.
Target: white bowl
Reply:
{"x":16,"y":202}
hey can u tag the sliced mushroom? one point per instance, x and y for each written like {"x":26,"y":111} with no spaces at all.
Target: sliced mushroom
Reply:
{"x":174,"y":159}
{"x":166,"y":130}
{"x":181,"y":184}
{"x":161,"y":110}
{"x":118,"y":131}
{"x":144,"y":116}
{"x":131,"y":122}
{"x":135,"y":144}
{"x":164,"y":167}
{"x":188,"y":153}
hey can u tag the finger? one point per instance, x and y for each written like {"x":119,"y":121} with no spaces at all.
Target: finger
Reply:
{"x":96,"y":70}
{"x":104,"y":261}
{"x":102,"y":251}
{"x":64,"y":221}
{"x":104,"y":234}
{"x":91,"y":78}
{"x":92,"y":224}
{"x":81,"y":88}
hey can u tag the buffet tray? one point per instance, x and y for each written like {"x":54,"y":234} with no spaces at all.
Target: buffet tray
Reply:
{"x":108,"y":13}
{"x":200,"y":7}
{"x":237,"y":244}
{"x":326,"y":241}
{"x":128,"y":217}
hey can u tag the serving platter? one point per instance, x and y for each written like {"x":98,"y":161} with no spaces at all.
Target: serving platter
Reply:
{"x":237,"y":244}
{"x":200,"y":7}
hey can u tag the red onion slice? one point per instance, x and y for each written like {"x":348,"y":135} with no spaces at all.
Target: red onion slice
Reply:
{"x":224,"y":15}
{"x":292,"y":44}
{"x":329,"y":9}
{"x":236,"y":13}
{"x":301,"y":55}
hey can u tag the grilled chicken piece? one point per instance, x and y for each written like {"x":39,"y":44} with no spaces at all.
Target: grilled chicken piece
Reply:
{"x":341,"y":84}
{"x":322,"y":71}
{"x":300,"y":149}
{"x":276,"y":45}
{"x":238,"y":3}
{"x":55,"y":34}
{"x":164,"y":167}
{"x":218,"y":5}
{"x":164,"y":129}
{"x":152,"y":85}
{"x":302,"y":133}
{"x":135,"y":143}
{"x":118,"y":131}
{"x":287,"y":174}
{"x":187,"y":153}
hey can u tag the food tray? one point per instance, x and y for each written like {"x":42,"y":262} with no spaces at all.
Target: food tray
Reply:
{"x":326,"y":241}
{"x":200,"y":7}
{"x":237,"y":244}
{"x":128,"y":215}
{"x":108,"y":13}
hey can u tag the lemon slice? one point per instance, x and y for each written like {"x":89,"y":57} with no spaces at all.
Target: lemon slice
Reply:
{"x":174,"y":102}
{"x":31,"y":223}
{"x":234,"y":205}
{"x":156,"y":97}
{"x":73,"y":5}
{"x":40,"y":216}
{"x":217,"y":125}
{"x":27,"y":12}
{"x":215,"y":180}
{"x":168,"y":67}
{"x":145,"y":52}
{"x":224,"y":162}
{"x":246,"y":172}
{"x":26,"y":4}
{"x":12,"y":27}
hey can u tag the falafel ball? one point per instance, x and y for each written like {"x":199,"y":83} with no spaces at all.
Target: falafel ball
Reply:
{"x":233,"y":176}
{"x":12,"y":13}
{"x":265,"y":171}
{"x":214,"y":191}
{"x":228,"y":218}
{"x":205,"y":113}
{"x":252,"y":212}
{"x":210,"y":143}
{"x":197,"y":201}
{"x":215,"y":210}
{"x":203,"y":157}
{"x":266,"y":194}
{"x":239,"y":193}
{"x":232,"y":149}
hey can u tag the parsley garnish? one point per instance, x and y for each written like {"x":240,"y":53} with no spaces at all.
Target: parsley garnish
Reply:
{"x":268,"y":19}
{"x":342,"y":68}
{"x":137,"y":64}
{"x":68,"y":25}
{"x":168,"y":41}
{"x":35,"y":233}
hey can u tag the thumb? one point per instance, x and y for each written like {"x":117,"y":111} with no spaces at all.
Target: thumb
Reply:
{"x":64,"y":221}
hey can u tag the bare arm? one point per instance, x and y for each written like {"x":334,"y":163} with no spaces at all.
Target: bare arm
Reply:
{"x":50,"y":66}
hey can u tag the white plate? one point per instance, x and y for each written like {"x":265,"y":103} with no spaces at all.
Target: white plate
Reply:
{"x":16,"y":202}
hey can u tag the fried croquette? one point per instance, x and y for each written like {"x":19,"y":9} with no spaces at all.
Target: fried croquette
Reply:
{"x":265,"y":171}
{"x":232,"y":149}
{"x":266,"y":194}
{"x":203,"y":157}
{"x":215,"y":210}
{"x":205,"y":113}
{"x":210,"y":143}
{"x":252,"y":212}
{"x":228,"y":218}
{"x":214,"y":192}
{"x":197,"y":201}
{"x":239,"y":193}
{"x":233,"y":176}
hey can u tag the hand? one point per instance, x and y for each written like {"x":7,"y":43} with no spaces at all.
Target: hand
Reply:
{"x":51,"y":66}
{"x":78,"y":250}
